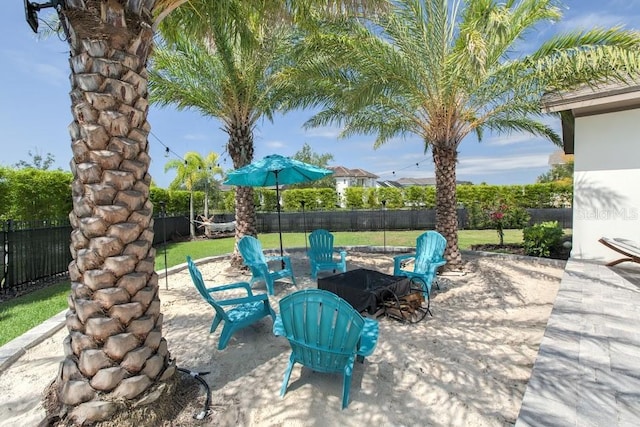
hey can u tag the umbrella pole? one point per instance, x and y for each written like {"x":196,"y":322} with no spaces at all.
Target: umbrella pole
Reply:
{"x":304,"y":226}
{"x":279,"y":224}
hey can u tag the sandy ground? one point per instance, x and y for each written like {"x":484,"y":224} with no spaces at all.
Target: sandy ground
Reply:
{"x":468,"y":365}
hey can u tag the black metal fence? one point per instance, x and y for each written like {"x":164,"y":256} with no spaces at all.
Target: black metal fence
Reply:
{"x":33,"y":251}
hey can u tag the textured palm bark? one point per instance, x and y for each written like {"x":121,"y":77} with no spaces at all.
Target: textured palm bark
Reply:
{"x":445,"y":159}
{"x":240,"y":148}
{"x":115,"y":351}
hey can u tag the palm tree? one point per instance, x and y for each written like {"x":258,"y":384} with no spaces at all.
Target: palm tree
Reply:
{"x":115,"y":353}
{"x":226,"y":69}
{"x":444,"y":69}
{"x":207,"y":179}
{"x":225,"y":77}
{"x":188,"y":172}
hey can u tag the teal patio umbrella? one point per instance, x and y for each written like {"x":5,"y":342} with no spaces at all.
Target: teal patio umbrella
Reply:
{"x":275,"y":170}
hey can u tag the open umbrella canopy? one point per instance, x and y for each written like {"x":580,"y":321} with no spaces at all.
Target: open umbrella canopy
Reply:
{"x":275,"y":170}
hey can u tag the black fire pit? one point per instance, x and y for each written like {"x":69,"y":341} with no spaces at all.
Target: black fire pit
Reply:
{"x":365,"y":289}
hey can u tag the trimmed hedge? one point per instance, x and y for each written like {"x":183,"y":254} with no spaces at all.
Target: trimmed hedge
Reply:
{"x":34,"y":194}
{"x":29,"y":193}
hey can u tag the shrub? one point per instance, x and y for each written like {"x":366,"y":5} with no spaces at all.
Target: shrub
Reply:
{"x":541,"y":239}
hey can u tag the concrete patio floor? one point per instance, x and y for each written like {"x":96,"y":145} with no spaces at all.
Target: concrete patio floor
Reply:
{"x":587,"y":372}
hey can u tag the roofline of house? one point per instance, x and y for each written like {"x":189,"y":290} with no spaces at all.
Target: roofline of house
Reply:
{"x":589,"y":100}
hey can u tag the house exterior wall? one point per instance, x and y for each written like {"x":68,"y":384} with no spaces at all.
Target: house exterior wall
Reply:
{"x":606,"y":182}
{"x":342,"y":184}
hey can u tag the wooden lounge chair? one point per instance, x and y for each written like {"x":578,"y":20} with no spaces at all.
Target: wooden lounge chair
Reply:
{"x":626,"y":247}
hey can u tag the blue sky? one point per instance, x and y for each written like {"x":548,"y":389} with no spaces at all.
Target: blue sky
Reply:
{"x":35,"y":113}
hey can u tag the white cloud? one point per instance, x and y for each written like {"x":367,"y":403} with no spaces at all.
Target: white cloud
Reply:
{"x":52,"y":74}
{"x":323,"y":132}
{"x":493,"y":165}
{"x":275,"y":144}
{"x":592,"y":20}
{"x":516,"y":138}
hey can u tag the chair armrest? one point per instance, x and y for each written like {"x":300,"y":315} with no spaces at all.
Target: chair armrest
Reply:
{"x":439,"y":263}
{"x":278,"y":327}
{"x":342,"y":253}
{"x":403,"y":257}
{"x":236,"y":301}
{"x":276,"y":258}
{"x":236,"y":285}
{"x":369,"y":338}
{"x":397,"y":262}
{"x":434,"y":265}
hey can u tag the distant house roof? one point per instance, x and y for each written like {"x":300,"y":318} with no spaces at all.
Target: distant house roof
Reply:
{"x":342,"y":172}
{"x":389,"y":184}
{"x":407,"y":182}
{"x":425,"y":182}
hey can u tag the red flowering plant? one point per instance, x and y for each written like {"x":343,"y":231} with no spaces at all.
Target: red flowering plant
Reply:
{"x":503,"y":216}
{"x":497,"y":216}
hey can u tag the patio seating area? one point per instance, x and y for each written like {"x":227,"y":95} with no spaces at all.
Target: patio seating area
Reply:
{"x":469,"y":363}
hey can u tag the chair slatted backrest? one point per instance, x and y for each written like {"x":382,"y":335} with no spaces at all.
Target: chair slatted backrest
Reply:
{"x":322,"y":328}
{"x":430,"y":247}
{"x":251,"y":250}
{"x":321,"y":245}
{"x":198,"y":281}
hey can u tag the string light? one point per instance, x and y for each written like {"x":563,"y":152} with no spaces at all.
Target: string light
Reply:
{"x":416,"y":165}
{"x":167,"y":150}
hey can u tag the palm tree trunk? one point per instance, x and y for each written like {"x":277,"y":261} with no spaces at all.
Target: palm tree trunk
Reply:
{"x":192,"y":225}
{"x":445,"y":159}
{"x":115,"y":353}
{"x":240,"y":148}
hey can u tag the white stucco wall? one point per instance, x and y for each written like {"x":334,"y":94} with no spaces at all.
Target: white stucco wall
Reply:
{"x":606,"y":182}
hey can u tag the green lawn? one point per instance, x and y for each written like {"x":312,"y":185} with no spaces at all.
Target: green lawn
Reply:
{"x":177,"y":252}
{"x":21,"y":314}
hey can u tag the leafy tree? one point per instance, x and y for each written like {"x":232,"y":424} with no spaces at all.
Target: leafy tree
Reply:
{"x":229,"y":78}
{"x":444,"y":69}
{"x":189,"y":172}
{"x":307,"y":155}
{"x":37,"y":161}
{"x":560,"y":172}
{"x":207,"y":182}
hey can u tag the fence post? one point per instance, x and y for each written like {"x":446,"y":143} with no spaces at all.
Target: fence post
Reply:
{"x":384,"y":225}
{"x":8,"y":256}
{"x":5,"y":256}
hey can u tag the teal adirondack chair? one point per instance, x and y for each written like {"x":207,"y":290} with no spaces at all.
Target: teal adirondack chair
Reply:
{"x":326,"y":334}
{"x":429,"y":254}
{"x":246,"y":310}
{"x":251,"y":251}
{"x":321,"y":253}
